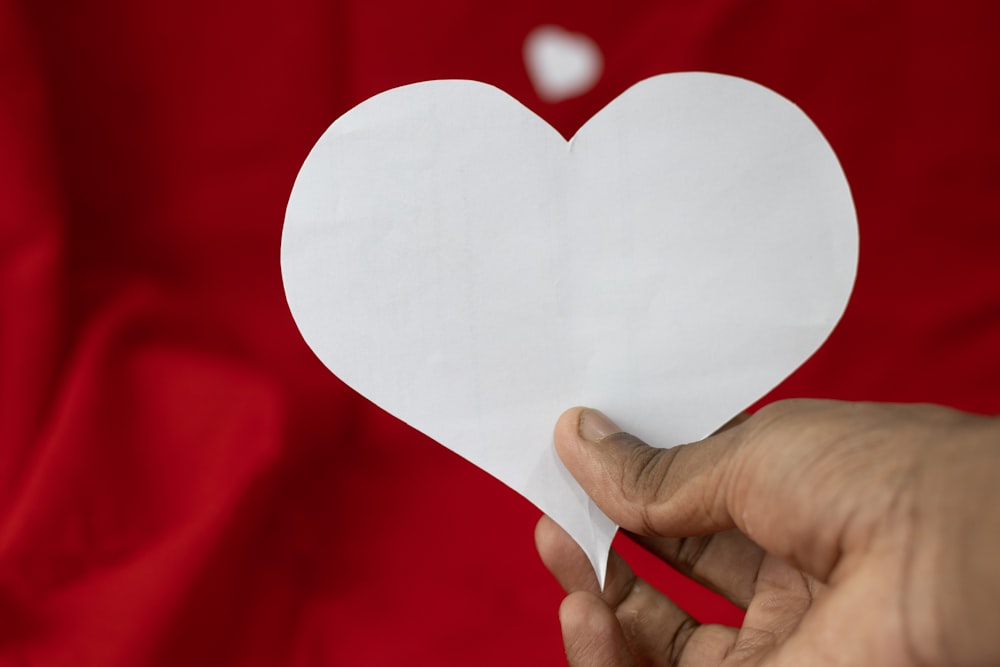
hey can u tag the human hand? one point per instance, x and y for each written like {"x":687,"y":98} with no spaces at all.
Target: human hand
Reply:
{"x":851,"y":533}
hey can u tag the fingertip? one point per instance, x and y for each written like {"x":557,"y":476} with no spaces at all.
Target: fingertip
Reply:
{"x":584,"y":612}
{"x":594,"y":426}
{"x":576,"y":431}
{"x":563,"y":557}
{"x":568,"y":424}
{"x":585,"y":423}
{"x":547,"y":537}
{"x":566,"y":437}
{"x":594,"y":449}
{"x":591,"y":632}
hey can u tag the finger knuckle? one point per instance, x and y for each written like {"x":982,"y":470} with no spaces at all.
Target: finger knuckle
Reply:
{"x":679,"y":641}
{"x":645,"y":481}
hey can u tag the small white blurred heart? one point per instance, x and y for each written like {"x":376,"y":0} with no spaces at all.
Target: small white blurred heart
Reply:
{"x":561,"y":64}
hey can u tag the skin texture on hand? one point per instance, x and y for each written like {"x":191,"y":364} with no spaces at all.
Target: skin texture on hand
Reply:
{"x":851,"y":533}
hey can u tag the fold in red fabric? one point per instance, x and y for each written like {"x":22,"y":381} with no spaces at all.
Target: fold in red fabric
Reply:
{"x":183,"y":483}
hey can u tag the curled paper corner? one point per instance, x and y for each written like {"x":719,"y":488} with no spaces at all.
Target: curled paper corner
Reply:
{"x":604,"y":531}
{"x":581,"y":519}
{"x":600,"y":566}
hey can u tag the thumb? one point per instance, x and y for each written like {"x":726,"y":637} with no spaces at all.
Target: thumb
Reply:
{"x":806,"y":480}
{"x":676,"y":492}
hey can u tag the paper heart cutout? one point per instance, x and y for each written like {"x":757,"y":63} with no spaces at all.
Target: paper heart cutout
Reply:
{"x":561,"y":64}
{"x":451,"y":257}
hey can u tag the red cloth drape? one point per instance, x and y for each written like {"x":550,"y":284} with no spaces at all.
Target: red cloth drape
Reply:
{"x":182,"y":483}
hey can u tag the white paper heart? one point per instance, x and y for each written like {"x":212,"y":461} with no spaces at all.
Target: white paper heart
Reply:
{"x":561,"y":64}
{"x":451,"y":257}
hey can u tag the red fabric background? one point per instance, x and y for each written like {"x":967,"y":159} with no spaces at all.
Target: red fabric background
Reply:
{"x":183,"y":483}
